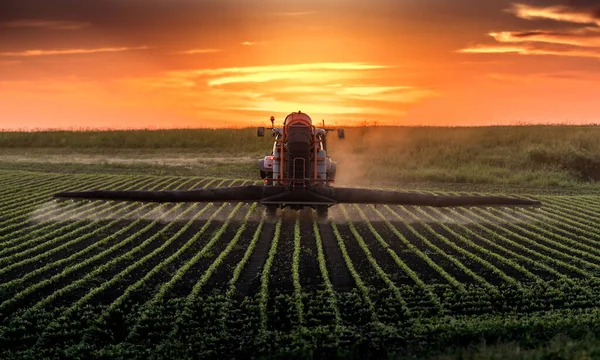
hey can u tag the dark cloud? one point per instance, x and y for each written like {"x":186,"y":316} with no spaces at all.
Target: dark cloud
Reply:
{"x":526,"y":34}
{"x":130,"y":23}
{"x":583,"y":3}
{"x":570,"y":28}
{"x":593,"y":6}
{"x":148,"y":13}
{"x":45,"y":24}
{"x":574,"y":33}
{"x":587,"y":6}
{"x":115,"y":11}
{"x":179,"y":25}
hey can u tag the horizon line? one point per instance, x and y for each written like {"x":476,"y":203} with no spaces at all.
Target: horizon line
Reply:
{"x":375,"y":125}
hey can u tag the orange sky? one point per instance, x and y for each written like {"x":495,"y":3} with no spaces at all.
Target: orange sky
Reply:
{"x":210,"y":63}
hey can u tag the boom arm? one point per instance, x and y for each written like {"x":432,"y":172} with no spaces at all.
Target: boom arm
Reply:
{"x":316,"y":195}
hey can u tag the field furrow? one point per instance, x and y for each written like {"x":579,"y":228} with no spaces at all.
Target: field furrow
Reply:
{"x":341,"y":279}
{"x":362,"y":288}
{"x":504,"y":258}
{"x":219,"y":260}
{"x":511,"y":250}
{"x":539,"y":240}
{"x":68,"y":230}
{"x":296,"y":272}
{"x":263,"y":301}
{"x":65,"y":286}
{"x":250,"y":279}
{"x":548,"y":242}
{"x":23,"y":213}
{"x":443,"y":248}
{"x":524,"y":244}
{"x":556,"y":237}
{"x":95,"y":248}
{"x":329,"y":288}
{"x":34,"y":194}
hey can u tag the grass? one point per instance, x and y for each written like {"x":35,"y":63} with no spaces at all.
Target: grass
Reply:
{"x":564,"y":157}
{"x":541,"y":156}
{"x":227,"y":140}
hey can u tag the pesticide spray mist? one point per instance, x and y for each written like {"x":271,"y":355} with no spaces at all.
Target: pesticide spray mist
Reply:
{"x":88,"y":211}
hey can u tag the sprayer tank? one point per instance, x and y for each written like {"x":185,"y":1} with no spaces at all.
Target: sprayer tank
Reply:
{"x":322,"y":165}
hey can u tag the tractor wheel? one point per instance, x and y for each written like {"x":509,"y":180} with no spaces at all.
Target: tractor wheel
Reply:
{"x":322,"y":212}
{"x":271,"y":212}
{"x":331,"y":173}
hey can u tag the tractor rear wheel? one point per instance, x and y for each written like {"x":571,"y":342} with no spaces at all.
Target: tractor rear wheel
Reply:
{"x":271,"y":212}
{"x":322,"y":212}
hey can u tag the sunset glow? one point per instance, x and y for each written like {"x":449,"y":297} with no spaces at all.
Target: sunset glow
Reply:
{"x":164,"y":64}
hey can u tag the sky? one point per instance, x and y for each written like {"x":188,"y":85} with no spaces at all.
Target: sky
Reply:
{"x":83,"y":64}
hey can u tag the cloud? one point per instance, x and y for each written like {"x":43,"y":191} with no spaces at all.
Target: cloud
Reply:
{"x":580,"y":39}
{"x":329,"y":88}
{"x":322,"y":76}
{"x":316,"y":73}
{"x":563,"y":13}
{"x":199,"y":51}
{"x":396,"y":94}
{"x":525,"y":50}
{"x":253,"y":43}
{"x":535,"y":77}
{"x":491,"y":49}
{"x":28,"y":53}
{"x":46,"y":24}
{"x":284,"y":68}
{"x":309,"y":73}
{"x":587,"y":37}
{"x":372,"y":90}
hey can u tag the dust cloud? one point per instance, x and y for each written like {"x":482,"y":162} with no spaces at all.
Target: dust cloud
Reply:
{"x":351,"y":165}
{"x":410,"y":215}
{"x":68,"y":211}
{"x":360,"y":153}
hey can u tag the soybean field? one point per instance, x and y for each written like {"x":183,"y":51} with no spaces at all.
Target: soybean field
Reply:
{"x":105,"y":279}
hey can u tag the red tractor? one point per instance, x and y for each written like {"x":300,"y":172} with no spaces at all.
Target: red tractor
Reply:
{"x":299,"y":160}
